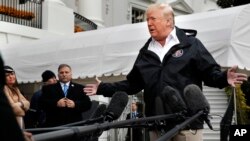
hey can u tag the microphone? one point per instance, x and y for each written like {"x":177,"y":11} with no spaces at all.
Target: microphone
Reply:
{"x":116,"y":106}
{"x":92,"y":132}
{"x":196,"y":101}
{"x":96,"y":117}
{"x":169,"y":102}
{"x":159,"y":108}
{"x":99,"y":111}
{"x":197,"y":106}
{"x":98,"y":114}
{"x":114,"y":110}
{"x":173,"y":100}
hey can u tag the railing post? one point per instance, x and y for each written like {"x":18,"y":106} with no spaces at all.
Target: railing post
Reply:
{"x":226,"y":120}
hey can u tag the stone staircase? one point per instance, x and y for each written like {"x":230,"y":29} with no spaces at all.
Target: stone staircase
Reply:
{"x":218,"y":104}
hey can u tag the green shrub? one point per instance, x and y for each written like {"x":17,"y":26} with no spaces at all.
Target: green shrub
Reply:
{"x":243,"y":110}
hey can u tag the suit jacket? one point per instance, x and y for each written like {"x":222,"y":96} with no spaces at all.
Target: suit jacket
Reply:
{"x":56,"y":116}
{"x":137,"y":133}
{"x":138,"y":115}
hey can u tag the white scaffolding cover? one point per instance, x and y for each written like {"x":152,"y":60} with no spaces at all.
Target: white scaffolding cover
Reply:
{"x":225,"y":33}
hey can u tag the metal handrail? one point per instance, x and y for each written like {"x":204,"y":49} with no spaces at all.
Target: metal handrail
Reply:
{"x":86,"y":23}
{"x":228,"y":117}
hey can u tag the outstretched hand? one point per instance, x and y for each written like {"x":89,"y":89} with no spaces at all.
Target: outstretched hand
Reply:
{"x":28,"y":136}
{"x":235,"y":78}
{"x":91,"y":89}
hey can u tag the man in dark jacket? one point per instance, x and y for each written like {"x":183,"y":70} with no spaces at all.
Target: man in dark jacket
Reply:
{"x":169,"y":58}
{"x":36,"y":117}
{"x":137,"y":133}
{"x":64,"y":101}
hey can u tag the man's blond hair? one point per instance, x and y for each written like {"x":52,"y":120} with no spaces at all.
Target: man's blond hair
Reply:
{"x":168,"y":11}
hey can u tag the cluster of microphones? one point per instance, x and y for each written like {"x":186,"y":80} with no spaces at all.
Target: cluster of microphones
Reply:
{"x":170,"y":106}
{"x":192,"y":106}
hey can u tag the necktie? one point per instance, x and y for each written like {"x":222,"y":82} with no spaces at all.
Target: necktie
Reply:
{"x":65,"y":90}
{"x":133,"y":115}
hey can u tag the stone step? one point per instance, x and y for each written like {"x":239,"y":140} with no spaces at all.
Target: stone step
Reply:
{"x":218,"y":101}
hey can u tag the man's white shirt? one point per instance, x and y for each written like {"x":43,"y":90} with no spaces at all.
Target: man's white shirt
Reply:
{"x":160,"y":50}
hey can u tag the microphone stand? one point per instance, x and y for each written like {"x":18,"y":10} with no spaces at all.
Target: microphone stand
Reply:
{"x":66,"y":126}
{"x":49,"y":129}
{"x":178,"y":127}
{"x":43,"y":130}
{"x":74,"y":133}
{"x":80,"y":123}
{"x":235,"y":106}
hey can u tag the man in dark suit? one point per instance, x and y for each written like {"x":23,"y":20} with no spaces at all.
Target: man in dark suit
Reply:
{"x":137,"y":133}
{"x":64,"y":101}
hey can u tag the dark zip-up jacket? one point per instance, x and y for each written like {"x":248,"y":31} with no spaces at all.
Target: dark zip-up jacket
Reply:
{"x":186,"y":63}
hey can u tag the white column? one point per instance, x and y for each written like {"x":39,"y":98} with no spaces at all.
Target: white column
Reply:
{"x":92,"y":9}
{"x":57,"y":1}
{"x":57,"y":17}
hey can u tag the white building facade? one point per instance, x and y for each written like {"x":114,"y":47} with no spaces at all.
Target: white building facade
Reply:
{"x":58,"y":19}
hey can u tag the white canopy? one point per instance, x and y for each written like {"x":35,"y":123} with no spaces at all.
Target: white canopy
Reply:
{"x":225,"y":33}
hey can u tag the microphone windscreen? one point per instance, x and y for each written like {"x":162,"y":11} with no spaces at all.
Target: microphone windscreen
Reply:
{"x":173,"y":100}
{"x":117,"y":105}
{"x":195,"y":99}
{"x":99,"y":111}
{"x":159,"y":108}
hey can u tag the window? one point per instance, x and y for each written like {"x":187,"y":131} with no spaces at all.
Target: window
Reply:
{"x":138,"y":15}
